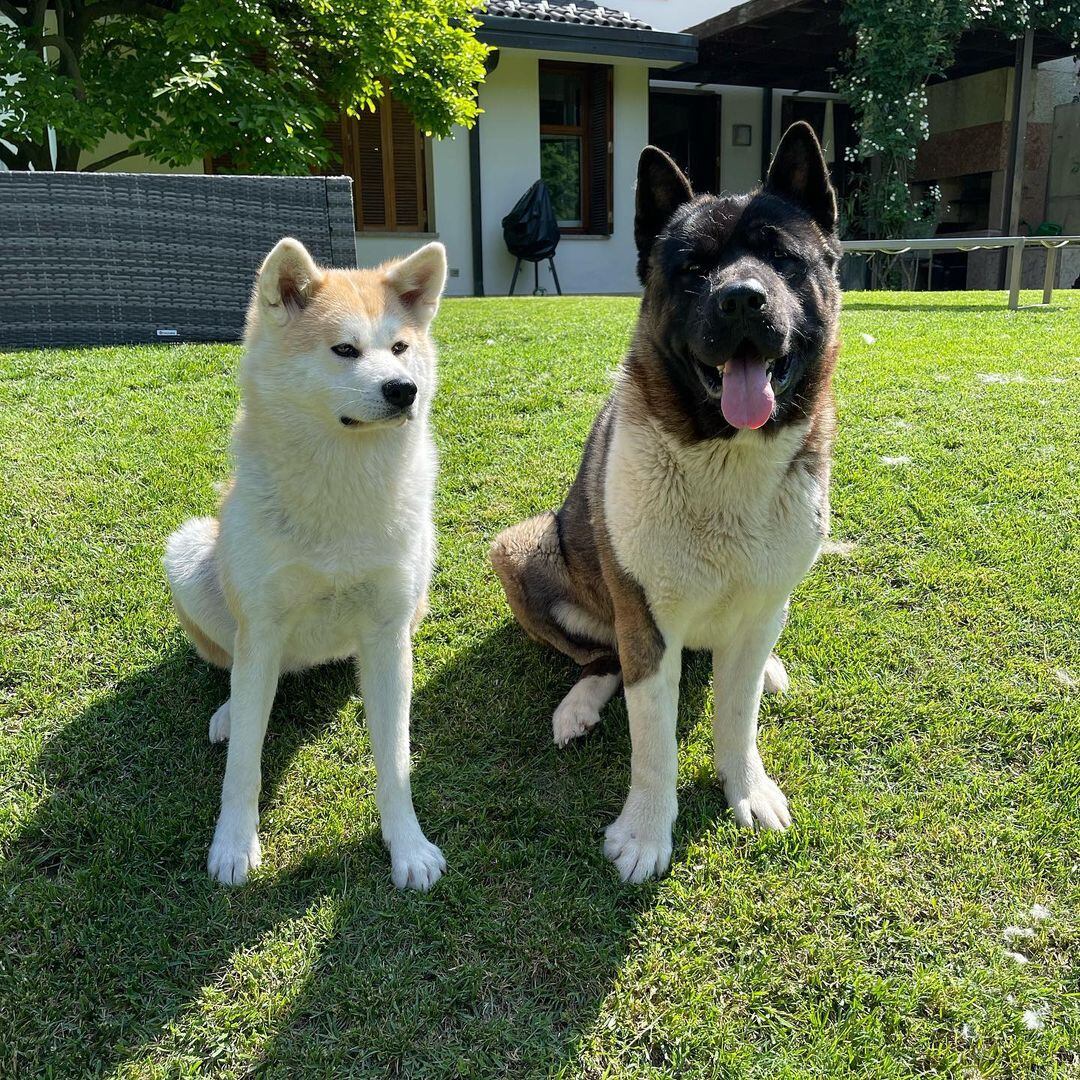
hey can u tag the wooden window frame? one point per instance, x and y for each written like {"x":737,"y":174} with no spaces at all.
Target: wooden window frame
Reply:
{"x":580,"y":72}
{"x":596,"y":156}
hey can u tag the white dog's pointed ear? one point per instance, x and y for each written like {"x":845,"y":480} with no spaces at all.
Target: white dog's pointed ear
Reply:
{"x":419,"y":279}
{"x":288,"y":278}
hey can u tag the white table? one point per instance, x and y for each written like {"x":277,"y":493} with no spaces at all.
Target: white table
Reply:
{"x":1014,"y":244}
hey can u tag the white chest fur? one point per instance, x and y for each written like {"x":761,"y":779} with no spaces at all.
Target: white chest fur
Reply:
{"x":714,"y":528}
{"x":325,"y":538}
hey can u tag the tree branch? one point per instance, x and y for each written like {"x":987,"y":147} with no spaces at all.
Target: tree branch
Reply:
{"x":112,"y":159}
{"x":73,"y":62}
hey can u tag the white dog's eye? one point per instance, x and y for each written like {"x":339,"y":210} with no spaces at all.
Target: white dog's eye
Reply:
{"x":399,"y":347}
{"x":349,"y":352}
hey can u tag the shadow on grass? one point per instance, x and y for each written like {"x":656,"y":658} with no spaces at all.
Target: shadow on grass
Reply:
{"x":117,"y":933}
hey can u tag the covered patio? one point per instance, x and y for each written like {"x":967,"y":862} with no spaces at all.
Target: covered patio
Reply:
{"x":989,"y":163}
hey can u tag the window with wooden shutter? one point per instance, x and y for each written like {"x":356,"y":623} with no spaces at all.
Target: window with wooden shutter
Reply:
{"x":576,"y":144}
{"x":384,"y":154}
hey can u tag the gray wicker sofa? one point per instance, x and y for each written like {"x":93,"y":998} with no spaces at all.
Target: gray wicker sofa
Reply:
{"x":119,"y":258}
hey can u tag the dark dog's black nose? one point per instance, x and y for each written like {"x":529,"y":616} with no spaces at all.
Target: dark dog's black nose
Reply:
{"x":742,"y":298}
{"x":399,"y":392}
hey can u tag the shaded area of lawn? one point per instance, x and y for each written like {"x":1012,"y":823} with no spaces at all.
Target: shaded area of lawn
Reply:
{"x":929,"y":746}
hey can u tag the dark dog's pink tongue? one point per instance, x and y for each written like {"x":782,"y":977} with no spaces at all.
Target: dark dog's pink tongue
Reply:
{"x":747,"y":397}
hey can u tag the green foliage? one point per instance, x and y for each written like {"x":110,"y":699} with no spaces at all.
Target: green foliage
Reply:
{"x":899,"y":46}
{"x":560,"y":167}
{"x":249,"y":79}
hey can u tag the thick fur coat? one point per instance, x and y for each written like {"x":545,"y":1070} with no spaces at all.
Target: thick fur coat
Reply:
{"x":702,"y":496}
{"x":323,"y":545}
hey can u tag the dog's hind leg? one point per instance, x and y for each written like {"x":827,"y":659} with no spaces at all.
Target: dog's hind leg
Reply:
{"x":192,"y":570}
{"x":191,"y":567}
{"x":529,"y":560}
{"x":579,"y":711}
{"x":776,"y":679}
{"x":219,"y":724}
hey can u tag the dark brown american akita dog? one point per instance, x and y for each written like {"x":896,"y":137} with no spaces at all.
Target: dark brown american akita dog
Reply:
{"x":702,"y":497}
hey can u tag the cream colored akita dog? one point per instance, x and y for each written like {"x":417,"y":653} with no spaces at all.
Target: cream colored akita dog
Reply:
{"x":324,"y":542}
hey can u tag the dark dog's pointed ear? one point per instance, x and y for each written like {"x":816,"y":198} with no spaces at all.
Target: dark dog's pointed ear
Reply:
{"x":798,"y":173}
{"x":661,"y":190}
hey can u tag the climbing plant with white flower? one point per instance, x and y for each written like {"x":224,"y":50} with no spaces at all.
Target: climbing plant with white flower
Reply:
{"x":898,"y":46}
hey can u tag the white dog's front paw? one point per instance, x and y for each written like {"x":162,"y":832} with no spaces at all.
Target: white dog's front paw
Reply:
{"x":572,"y":719}
{"x":234,"y":854}
{"x":776,"y":679}
{"x":415,"y":863}
{"x":219,"y":724}
{"x":638,"y":841}
{"x":754,"y":798}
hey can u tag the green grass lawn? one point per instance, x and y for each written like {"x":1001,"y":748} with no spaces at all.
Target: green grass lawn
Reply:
{"x":930,"y":747}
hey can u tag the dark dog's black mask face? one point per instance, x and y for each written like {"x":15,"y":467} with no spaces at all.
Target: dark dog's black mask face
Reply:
{"x":741,"y":295}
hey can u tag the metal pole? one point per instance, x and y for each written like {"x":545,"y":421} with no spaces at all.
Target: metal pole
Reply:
{"x":1014,"y":176}
{"x":1016,"y":264}
{"x":1050,"y":277}
{"x":476,"y":217}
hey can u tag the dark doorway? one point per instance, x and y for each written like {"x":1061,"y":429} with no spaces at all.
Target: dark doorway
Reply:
{"x":687,"y":126}
{"x":844,"y":134}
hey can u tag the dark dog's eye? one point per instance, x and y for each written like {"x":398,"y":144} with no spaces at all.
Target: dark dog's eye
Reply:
{"x":346,"y":351}
{"x":784,"y":262}
{"x":399,"y":347}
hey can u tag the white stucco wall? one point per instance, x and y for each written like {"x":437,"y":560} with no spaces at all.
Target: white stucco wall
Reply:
{"x":740,"y":166}
{"x":1058,"y":83}
{"x":510,"y":163}
{"x":113,"y":144}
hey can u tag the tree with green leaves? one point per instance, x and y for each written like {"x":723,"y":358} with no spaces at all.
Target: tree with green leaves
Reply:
{"x":899,"y":46}
{"x":255,"y":81}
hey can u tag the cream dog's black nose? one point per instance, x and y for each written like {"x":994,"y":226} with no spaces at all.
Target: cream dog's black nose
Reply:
{"x":399,"y":392}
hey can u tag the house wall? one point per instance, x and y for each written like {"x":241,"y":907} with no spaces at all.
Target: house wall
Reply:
{"x":510,"y":163}
{"x":740,"y":166}
{"x":113,"y":144}
{"x":971,"y":132}
{"x":1063,"y":205}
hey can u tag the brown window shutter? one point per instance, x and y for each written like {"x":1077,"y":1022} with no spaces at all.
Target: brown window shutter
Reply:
{"x":384,"y":154}
{"x":219,"y":165}
{"x":408,"y":169}
{"x":341,"y":135}
{"x":598,"y":215}
{"x":369,"y":154}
